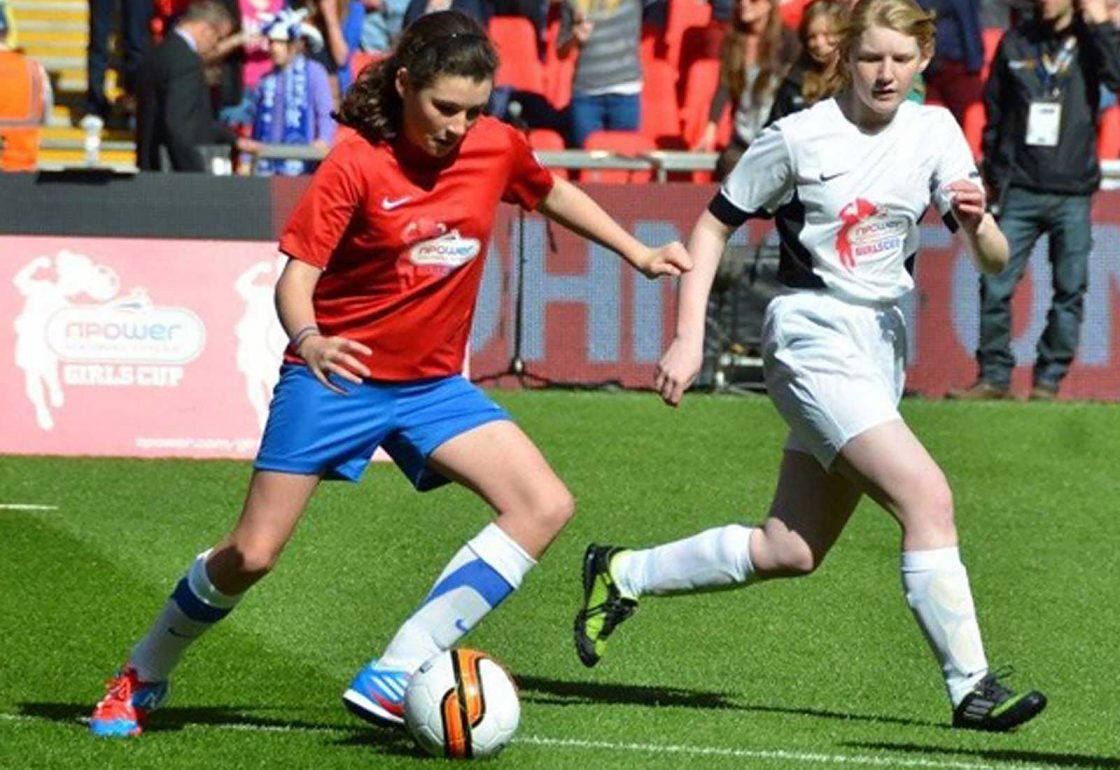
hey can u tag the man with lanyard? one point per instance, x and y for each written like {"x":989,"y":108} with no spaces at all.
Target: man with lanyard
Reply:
{"x":1040,"y":164}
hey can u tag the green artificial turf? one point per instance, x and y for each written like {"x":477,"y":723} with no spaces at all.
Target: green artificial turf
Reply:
{"x":823,"y":671}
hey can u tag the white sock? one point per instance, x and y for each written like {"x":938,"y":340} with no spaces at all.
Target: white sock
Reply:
{"x":194,"y":607}
{"x":937,"y":591}
{"x":481,"y":574}
{"x":714,"y":559}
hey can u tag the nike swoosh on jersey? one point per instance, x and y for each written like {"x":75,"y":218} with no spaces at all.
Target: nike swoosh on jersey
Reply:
{"x":830,"y":177}
{"x":389,"y":204}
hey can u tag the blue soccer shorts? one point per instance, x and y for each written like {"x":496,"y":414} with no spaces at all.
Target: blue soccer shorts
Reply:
{"x":314,"y":430}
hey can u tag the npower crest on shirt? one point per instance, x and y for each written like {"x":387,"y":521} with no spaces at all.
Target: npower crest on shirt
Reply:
{"x":449,"y":250}
{"x":868,"y":233}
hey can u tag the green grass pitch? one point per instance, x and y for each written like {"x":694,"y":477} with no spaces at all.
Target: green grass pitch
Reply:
{"x":826,"y":671}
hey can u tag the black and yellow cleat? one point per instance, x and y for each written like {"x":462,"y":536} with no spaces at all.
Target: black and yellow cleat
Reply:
{"x":993,"y":707}
{"x":604,"y":606}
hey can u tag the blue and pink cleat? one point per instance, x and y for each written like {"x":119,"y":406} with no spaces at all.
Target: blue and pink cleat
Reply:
{"x":127,"y":703}
{"x":377,"y":695}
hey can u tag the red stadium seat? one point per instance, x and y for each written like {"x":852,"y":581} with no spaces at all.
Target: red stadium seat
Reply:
{"x":623,"y":143}
{"x":791,"y":12}
{"x":698,"y":44}
{"x":558,"y":72}
{"x":991,"y":37}
{"x":975,"y":116}
{"x":699,"y":88}
{"x":660,"y":112}
{"x":359,"y":60}
{"x":547,"y":139}
{"x":683,"y":14}
{"x":1108,"y":140}
{"x":516,"y":41}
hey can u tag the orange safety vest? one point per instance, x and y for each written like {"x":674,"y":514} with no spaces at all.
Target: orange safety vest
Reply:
{"x":21,"y":111}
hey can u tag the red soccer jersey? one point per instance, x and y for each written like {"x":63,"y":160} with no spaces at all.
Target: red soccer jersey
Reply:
{"x":401,"y":239}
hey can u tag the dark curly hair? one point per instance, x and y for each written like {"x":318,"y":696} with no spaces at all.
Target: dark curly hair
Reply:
{"x":441,"y":43}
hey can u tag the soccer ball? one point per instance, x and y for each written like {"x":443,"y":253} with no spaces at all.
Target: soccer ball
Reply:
{"x":462,"y":704}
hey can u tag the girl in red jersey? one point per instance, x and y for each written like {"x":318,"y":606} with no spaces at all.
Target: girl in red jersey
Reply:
{"x":386,"y":250}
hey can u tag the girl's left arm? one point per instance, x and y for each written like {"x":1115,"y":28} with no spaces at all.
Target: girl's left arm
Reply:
{"x":577,"y":211}
{"x":987,"y":245}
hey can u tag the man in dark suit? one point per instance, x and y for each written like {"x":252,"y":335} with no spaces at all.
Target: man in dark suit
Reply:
{"x":174,"y":110}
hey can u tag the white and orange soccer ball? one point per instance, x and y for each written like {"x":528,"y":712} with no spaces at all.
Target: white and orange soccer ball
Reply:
{"x":462,"y":704}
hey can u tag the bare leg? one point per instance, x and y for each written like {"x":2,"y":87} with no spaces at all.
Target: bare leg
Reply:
{"x":215,"y":581}
{"x":504,"y":467}
{"x":810,"y":509}
{"x":499,"y":462}
{"x":273,"y":506}
{"x":891,"y":465}
{"x":895,"y":469}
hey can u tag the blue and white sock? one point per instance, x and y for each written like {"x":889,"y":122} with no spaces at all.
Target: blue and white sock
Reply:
{"x":481,"y":574}
{"x":937,"y":591}
{"x":193,"y":607}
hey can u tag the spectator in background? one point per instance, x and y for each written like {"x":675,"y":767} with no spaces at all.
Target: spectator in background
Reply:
{"x":25,"y":104}
{"x":293,"y":102}
{"x":953,"y":77}
{"x":340,"y":24}
{"x":817,"y":74}
{"x":479,"y":10}
{"x":536,"y":11}
{"x":225,"y":70}
{"x":382,"y":25}
{"x":1040,"y":164}
{"x":135,"y":16}
{"x":174,"y":110}
{"x":755,"y":56}
{"x":257,"y":58}
{"x":607,"y":84}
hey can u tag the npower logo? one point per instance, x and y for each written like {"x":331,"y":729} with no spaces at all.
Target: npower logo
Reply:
{"x":129,"y":331}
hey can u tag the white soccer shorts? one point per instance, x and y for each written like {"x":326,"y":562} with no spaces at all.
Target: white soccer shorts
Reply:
{"x":833,"y":368}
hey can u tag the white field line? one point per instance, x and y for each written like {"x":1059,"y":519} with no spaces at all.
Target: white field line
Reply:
{"x":776,"y":754}
{"x":26,"y":507}
{"x":781,"y":755}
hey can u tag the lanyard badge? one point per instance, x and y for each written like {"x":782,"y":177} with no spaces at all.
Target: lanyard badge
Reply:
{"x":1044,"y":121}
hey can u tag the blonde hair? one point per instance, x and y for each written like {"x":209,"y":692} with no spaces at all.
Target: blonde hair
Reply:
{"x":903,"y":16}
{"x":821,"y":82}
{"x":776,"y":51}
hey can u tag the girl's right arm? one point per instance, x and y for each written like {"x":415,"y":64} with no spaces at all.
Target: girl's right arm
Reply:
{"x":682,"y":361}
{"x":323,"y":355}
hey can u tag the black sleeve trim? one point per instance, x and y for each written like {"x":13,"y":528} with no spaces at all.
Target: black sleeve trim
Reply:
{"x":950,"y":221}
{"x":730,"y":214}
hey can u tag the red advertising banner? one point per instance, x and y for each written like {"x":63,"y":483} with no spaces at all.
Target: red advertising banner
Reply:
{"x":148,"y":347}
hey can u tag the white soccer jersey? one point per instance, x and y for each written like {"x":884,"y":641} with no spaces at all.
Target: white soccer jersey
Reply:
{"x":847,"y":204}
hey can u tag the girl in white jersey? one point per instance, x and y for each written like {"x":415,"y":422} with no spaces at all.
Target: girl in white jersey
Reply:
{"x":847,"y":181}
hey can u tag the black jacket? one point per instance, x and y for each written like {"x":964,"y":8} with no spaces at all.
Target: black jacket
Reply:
{"x":1071,"y":167}
{"x":173,"y":108}
{"x":788,"y":98}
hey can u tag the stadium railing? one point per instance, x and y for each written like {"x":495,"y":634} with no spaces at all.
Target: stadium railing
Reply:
{"x":661,"y":162}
